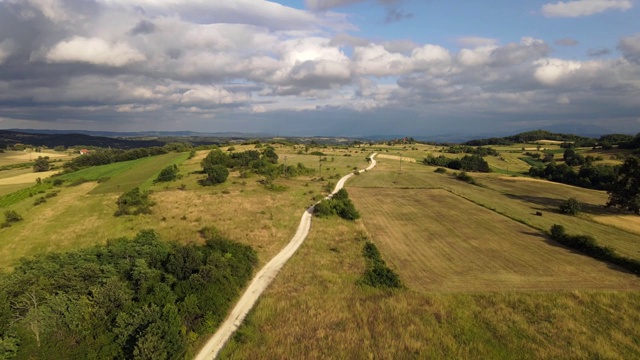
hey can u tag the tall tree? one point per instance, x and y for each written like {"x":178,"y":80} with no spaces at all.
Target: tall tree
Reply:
{"x":625,"y":190}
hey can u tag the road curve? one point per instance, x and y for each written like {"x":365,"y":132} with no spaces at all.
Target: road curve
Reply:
{"x":262,"y":279}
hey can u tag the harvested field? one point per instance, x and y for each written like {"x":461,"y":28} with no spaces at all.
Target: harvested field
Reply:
{"x":438,"y":241}
{"x":395,"y":157}
{"x":630,"y":223}
{"x":26,"y":178}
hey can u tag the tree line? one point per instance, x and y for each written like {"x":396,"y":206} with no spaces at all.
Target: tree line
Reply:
{"x":141,"y":298}
{"x":466,"y":163}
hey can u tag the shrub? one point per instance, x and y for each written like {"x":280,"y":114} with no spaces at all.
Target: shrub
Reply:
{"x":441,"y":170}
{"x":134,"y":202}
{"x":216,"y":174}
{"x":11,"y":216}
{"x":463,"y":176}
{"x":571,"y":206}
{"x":170,"y":173}
{"x":378,"y":274}
{"x":39,"y":201}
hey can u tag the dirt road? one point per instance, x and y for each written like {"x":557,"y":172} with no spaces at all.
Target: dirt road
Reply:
{"x":262,"y":279}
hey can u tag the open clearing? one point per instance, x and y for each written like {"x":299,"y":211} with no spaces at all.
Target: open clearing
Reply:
{"x":437,"y":241}
{"x":27,"y":178}
{"x":516,"y":199}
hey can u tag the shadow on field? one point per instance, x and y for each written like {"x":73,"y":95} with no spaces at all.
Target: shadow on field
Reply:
{"x":553,"y":205}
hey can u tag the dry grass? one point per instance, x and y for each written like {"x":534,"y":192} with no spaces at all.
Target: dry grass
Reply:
{"x":315,"y":310}
{"x":519,"y":200}
{"x":395,"y":157}
{"x":16,"y":157}
{"x":29,"y":178}
{"x":440,"y":242}
{"x":629,"y":223}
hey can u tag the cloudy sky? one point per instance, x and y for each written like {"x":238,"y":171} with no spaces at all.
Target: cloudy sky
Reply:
{"x":320,"y":67}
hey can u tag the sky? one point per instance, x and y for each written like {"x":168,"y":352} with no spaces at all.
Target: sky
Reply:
{"x":320,"y":67}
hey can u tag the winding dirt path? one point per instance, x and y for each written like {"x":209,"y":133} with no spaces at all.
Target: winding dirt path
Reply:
{"x":262,"y":279}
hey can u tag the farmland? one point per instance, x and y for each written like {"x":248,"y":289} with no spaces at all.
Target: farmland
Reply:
{"x":482,"y":278}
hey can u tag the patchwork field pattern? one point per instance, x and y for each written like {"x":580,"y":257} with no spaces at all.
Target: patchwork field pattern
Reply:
{"x":438,"y":241}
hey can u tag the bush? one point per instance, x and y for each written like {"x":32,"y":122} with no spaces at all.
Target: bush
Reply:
{"x":463,"y":176}
{"x":134,"y":202}
{"x":11,"y":217}
{"x":216,"y":174}
{"x":440,"y":170}
{"x":378,"y":274}
{"x":339,"y":204}
{"x":571,"y":207}
{"x":170,"y":173}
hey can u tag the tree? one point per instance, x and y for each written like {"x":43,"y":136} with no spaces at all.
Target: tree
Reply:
{"x":170,"y":173}
{"x":624,"y":193}
{"x":216,"y":174}
{"x":41,"y":164}
{"x":571,"y":207}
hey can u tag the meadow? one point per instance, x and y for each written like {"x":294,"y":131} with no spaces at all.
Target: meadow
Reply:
{"x":482,"y":278}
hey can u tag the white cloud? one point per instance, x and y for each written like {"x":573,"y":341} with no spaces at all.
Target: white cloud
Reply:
{"x":580,"y":8}
{"x":94,"y":51}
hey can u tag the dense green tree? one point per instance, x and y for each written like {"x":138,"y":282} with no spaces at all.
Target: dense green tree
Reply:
{"x":624,"y":193}
{"x":170,"y":173}
{"x":41,"y":164}
{"x":216,"y":174}
{"x":571,"y":206}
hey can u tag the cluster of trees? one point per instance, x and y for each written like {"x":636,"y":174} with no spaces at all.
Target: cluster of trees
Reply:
{"x":633,"y":143}
{"x":531,"y":136}
{"x":588,"y":176}
{"x":588,"y":246}
{"x":624,"y":191}
{"x":339,"y":204}
{"x":477,"y":150}
{"x":109,"y":156}
{"x":264,"y":162}
{"x":467,"y":163}
{"x":378,"y":274}
{"x":141,"y":298}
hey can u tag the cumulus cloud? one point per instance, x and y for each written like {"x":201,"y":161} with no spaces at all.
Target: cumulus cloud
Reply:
{"x":109,"y":62}
{"x":630,"y":47}
{"x":581,"y":8}
{"x":94,"y":51}
{"x":329,"y":4}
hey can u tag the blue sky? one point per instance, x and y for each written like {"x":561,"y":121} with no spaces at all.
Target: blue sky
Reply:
{"x":320,"y":67}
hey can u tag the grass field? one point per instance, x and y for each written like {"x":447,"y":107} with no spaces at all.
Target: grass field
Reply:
{"x":516,"y":198}
{"x":316,"y":310}
{"x":438,"y":241}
